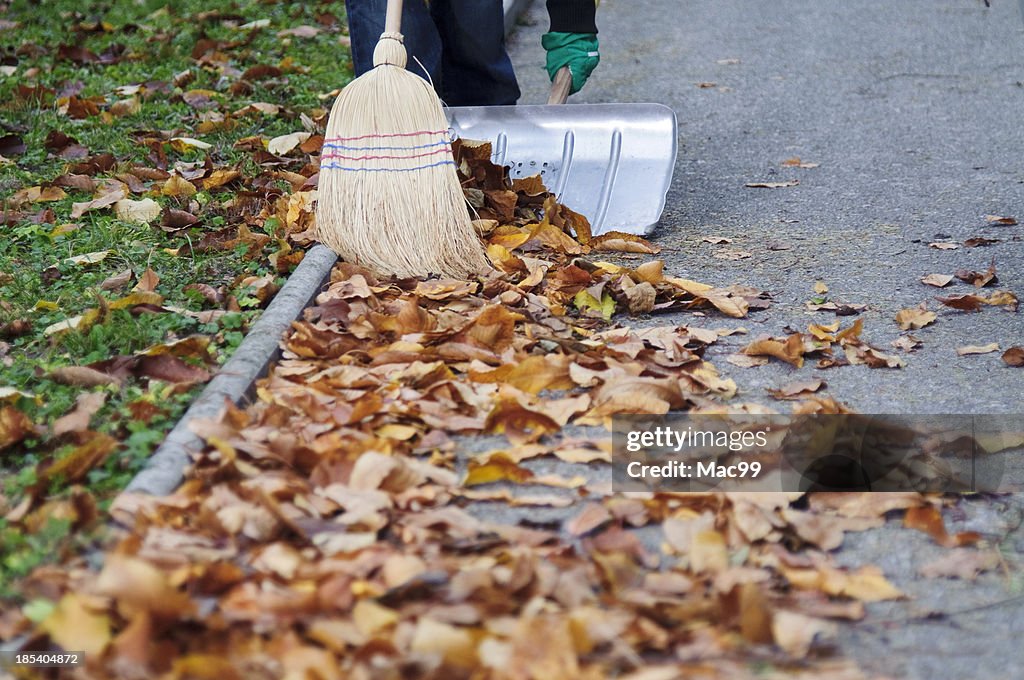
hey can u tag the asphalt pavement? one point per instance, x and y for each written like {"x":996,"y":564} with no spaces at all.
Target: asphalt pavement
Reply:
{"x":911,"y":114}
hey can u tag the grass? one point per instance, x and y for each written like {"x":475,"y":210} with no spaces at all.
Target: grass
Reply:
{"x":40,"y":287}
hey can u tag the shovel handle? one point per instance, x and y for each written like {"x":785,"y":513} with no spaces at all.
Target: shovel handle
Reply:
{"x":393,"y":18}
{"x":561,"y":86}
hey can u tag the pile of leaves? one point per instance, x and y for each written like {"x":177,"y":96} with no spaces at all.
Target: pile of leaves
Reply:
{"x":336,"y":527}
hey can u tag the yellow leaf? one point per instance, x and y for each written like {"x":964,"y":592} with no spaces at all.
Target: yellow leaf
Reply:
{"x":183,"y":143}
{"x":176,"y":185}
{"x":139,"y":212}
{"x":74,"y":625}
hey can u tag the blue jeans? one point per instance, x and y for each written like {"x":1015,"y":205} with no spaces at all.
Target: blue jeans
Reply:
{"x":460,"y":43}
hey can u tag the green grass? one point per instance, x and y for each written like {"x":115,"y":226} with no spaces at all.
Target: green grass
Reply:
{"x":39,"y":286}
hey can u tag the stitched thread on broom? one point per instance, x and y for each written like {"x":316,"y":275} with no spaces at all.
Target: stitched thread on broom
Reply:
{"x":336,"y":156}
{"x":336,"y":166}
{"x":385,"y":148}
{"x":387,"y":134}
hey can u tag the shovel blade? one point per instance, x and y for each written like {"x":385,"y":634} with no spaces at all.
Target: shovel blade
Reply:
{"x":611,"y":162}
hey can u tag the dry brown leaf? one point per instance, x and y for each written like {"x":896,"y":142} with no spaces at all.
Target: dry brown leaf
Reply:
{"x":746,"y":361}
{"x":797,"y":389}
{"x":14,"y":426}
{"x":937,"y":280}
{"x":1014,"y":357}
{"x":962,"y":563}
{"x":791,"y":350}
{"x":928,"y":519}
{"x":617,"y":241}
{"x":978,"y":349}
{"x":796,"y":162}
{"x":497,"y":467}
{"x":773,"y":185}
{"x":915,"y":318}
{"x":965,"y":303}
{"x":796,"y":633}
{"x":86,"y":406}
{"x":177,"y":186}
{"x":943,"y":245}
{"x":139,"y":587}
{"x":592,"y":516}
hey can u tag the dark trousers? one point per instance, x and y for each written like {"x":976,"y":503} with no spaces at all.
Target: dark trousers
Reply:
{"x":460,"y":43}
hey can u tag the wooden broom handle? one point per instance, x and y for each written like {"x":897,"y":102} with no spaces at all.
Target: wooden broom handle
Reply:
{"x":560,"y":86}
{"x":393,"y":19}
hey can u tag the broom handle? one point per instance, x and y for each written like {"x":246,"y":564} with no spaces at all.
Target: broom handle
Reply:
{"x":560,"y":86}
{"x":393,"y":19}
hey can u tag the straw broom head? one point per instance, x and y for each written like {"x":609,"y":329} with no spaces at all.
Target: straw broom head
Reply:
{"x":389,"y":195}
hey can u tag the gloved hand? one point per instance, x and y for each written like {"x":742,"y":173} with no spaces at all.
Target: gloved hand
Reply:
{"x":578,"y":51}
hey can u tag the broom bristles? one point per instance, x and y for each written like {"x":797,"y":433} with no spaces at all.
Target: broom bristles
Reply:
{"x":389,"y":195}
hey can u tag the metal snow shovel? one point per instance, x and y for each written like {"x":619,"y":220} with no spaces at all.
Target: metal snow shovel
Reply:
{"x":611,"y":162}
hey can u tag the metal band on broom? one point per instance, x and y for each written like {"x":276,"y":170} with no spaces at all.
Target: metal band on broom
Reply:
{"x":389,"y":195}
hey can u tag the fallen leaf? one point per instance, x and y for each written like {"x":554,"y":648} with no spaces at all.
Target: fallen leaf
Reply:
{"x":76,"y":624}
{"x":185,"y":143}
{"x":1002,"y":298}
{"x":937,"y":280}
{"x":731,"y":254}
{"x":978,"y":279}
{"x":966,"y":303}
{"x":139,"y":587}
{"x":746,"y":361}
{"x":978,"y":349}
{"x":1001,"y":221}
{"x":591,"y":517}
{"x":980,"y":241}
{"x":943,"y":245}
{"x":86,"y":406}
{"x":280,"y":146}
{"x":616,"y":241}
{"x":176,"y":186}
{"x":1014,"y":357}
{"x":14,"y":426}
{"x":907,"y":343}
{"x":82,"y":376}
{"x":795,"y":162}
{"x":300,"y":32}
{"x":796,"y":633}
{"x":820,"y":287}
{"x":147,"y":282}
{"x":797,"y":389}
{"x":791,"y":350}
{"x":88,"y":258}
{"x":496,"y":467}
{"x":915,"y":317}
{"x":928,"y":519}
{"x":138,"y":212}
{"x":962,"y":563}
{"x":518,"y":423}
{"x":773,"y":185}
{"x":12,"y":145}
{"x":111,"y":194}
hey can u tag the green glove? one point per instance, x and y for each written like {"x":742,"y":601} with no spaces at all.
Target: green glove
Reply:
{"x":578,"y":51}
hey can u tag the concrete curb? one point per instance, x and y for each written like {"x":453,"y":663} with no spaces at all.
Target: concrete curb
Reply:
{"x":165,"y":469}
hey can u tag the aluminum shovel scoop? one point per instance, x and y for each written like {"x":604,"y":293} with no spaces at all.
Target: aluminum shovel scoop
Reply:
{"x":610,"y":162}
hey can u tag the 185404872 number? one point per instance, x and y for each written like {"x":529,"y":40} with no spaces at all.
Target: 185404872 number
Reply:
{"x":12,"y":659}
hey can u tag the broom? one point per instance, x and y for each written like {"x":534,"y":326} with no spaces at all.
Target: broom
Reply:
{"x":389,"y":196}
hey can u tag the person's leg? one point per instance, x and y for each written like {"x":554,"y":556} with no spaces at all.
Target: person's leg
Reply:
{"x":475,"y":68}
{"x":366,"y":23}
